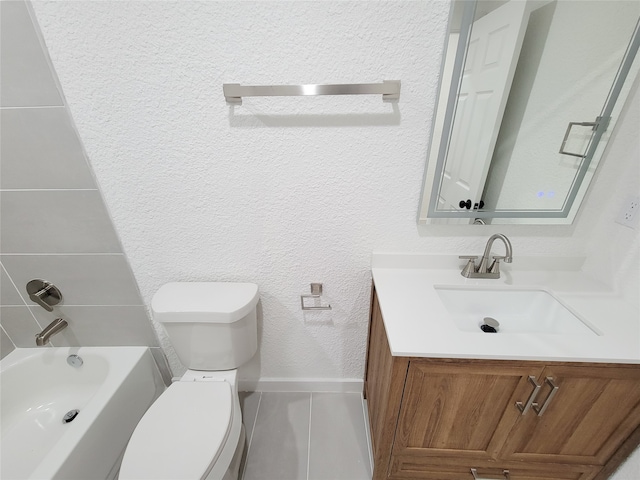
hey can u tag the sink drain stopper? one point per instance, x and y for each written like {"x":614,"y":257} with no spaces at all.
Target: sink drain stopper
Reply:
{"x":490,"y":325}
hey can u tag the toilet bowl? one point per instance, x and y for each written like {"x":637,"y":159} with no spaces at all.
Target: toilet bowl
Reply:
{"x":194,"y":429}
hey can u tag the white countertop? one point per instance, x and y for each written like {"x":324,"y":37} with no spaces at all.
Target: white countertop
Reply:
{"x":418,"y":324}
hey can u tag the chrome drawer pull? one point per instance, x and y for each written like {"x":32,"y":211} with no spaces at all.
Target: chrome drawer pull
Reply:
{"x":536,"y":388}
{"x":474,"y":472}
{"x":554,"y":389}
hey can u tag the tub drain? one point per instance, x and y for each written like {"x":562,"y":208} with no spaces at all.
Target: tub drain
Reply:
{"x":75,"y":361}
{"x":70,"y":416}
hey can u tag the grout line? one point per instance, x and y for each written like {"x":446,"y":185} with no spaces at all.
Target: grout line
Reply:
{"x":309,"y":441}
{"x":367,"y":432}
{"x":24,"y":301}
{"x":30,"y":306}
{"x":253,"y":429}
{"x":5,"y":332}
{"x":47,"y":55}
{"x":48,"y":189}
{"x":61,"y":254}
{"x":255,"y":421}
{"x":31,"y":107}
{"x":60,"y":308}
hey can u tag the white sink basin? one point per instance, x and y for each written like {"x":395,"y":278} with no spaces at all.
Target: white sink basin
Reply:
{"x":518,"y":311}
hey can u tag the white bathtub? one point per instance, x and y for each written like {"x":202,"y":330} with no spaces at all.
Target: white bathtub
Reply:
{"x":112,"y":390}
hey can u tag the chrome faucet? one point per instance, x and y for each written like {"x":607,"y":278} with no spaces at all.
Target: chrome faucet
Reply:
{"x":484,"y":270}
{"x":54,"y":327}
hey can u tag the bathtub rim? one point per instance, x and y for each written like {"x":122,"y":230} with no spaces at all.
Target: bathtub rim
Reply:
{"x":123,"y":362}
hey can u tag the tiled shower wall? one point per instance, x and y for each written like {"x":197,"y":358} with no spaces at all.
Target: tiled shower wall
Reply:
{"x":54,"y":224}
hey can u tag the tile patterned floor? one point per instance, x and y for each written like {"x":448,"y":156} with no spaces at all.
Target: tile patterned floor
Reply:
{"x":305,"y":436}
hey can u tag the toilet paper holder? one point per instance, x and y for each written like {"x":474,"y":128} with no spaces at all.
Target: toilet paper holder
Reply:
{"x":316,"y":293}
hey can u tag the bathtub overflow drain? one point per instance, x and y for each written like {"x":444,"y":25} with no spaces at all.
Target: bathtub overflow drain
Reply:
{"x":75,"y":361}
{"x":70,"y":416}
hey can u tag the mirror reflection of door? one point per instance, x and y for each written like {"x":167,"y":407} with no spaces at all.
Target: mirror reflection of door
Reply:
{"x":570,"y":63}
{"x":492,"y":56}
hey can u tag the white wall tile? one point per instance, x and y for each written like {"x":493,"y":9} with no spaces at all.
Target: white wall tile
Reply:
{"x":6,"y":345}
{"x":69,"y":221}
{"x":24,"y":72}
{"x":96,"y":326}
{"x":82,"y":279}
{"x":20,"y":325}
{"x":40,"y":150}
{"x":8,"y":293}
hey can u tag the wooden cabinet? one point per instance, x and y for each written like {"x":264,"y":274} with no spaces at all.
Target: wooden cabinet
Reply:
{"x":458,"y":410}
{"x":595,"y":409}
{"x":438,"y":419}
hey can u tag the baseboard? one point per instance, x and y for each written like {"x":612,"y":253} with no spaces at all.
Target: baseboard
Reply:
{"x":333,"y":385}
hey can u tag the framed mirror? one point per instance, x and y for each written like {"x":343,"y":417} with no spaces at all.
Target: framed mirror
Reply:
{"x":530,"y":92}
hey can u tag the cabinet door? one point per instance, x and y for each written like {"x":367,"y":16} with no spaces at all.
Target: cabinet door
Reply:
{"x":463,"y":409}
{"x":593,"y":411}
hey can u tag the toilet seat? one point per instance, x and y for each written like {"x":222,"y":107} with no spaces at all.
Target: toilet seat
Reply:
{"x":182,"y":433}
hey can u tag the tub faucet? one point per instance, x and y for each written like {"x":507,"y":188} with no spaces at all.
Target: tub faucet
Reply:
{"x":484,"y":270}
{"x":54,"y":327}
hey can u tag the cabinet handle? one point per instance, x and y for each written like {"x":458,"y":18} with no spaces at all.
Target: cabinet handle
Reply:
{"x":474,"y":472}
{"x":536,"y":388}
{"x":554,"y":389}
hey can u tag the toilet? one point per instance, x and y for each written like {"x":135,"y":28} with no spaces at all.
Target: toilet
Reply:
{"x":194,"y":430}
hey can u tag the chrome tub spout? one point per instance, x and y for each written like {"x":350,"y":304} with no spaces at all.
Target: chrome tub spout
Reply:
{"x":54,"y":327}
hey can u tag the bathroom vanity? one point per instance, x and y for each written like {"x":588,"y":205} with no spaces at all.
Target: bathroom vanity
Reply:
{"x":449,"y":402}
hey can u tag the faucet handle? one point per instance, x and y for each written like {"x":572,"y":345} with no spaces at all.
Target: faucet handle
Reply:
{"x":44,"y":293}
{"x":471,"y":265}
{"x":495,"y":266}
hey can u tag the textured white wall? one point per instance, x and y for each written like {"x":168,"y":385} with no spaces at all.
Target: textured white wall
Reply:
{"x":614,"y":249}
{"x":279,"y":191}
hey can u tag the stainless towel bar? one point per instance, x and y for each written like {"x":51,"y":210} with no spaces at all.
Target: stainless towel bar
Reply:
{"x":233,"y":92}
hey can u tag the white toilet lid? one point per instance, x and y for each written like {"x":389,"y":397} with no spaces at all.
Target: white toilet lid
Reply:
{"x":182,"y":433}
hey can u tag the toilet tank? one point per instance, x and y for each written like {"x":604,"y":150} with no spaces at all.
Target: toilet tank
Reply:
{"x":211,"y":325}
